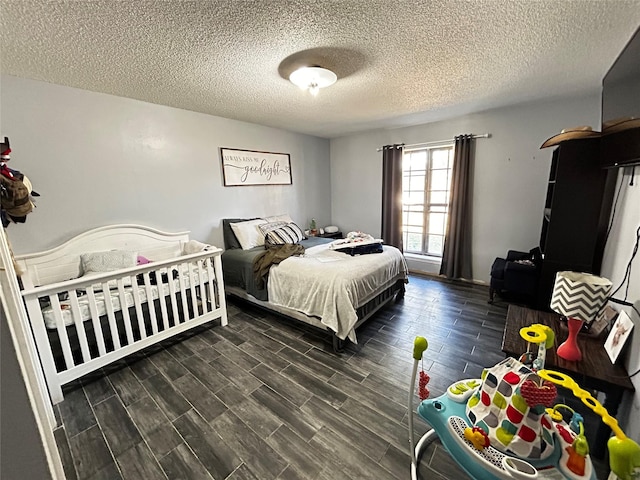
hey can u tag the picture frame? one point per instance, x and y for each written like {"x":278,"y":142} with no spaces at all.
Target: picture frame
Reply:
{"x":620,"y":332}
{"x":251,"y":167}
{"x":603,"y":322}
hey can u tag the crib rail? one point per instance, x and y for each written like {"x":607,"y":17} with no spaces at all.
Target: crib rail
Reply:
{"x":83,"y":324}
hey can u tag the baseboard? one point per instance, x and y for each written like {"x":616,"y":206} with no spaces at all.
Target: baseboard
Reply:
{"x":437,"y":276}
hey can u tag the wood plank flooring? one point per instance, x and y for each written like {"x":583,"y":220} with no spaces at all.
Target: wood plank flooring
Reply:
{"x":266,"y":398}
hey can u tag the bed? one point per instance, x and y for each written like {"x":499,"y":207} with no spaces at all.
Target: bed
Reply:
{"x":114,"y":290}
{"x":325,"y":288}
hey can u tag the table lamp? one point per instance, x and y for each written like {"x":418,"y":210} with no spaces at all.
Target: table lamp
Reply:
{"x":579,"y":297}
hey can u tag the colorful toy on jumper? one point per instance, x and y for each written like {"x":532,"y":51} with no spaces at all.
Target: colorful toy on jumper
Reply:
{"x":505,"y":425}
{"x":543,"y":337}
{"x":419,"y":347}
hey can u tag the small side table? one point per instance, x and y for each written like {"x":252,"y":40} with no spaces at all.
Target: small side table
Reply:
{"x":595,"y":370}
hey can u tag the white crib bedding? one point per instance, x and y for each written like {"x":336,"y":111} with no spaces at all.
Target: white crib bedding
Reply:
{"x":83,"y":299}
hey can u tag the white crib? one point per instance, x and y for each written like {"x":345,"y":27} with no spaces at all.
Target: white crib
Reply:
{"x":82,"y":323}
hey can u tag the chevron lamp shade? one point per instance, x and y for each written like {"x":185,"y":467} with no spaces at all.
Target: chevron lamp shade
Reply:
{"x":579,"y":295}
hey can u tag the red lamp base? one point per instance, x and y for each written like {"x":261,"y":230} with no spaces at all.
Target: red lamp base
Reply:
{"x":569,"y":350}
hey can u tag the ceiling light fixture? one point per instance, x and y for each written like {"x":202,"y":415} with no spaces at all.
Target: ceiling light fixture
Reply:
{"x":313,"y":78}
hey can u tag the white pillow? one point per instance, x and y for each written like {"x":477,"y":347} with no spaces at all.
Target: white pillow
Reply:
{"x":194,"y":246}
{"x":279,"y":218}
{"x":248,"y":233}
{"x":267,"y":227}
{"x":100,"y":262}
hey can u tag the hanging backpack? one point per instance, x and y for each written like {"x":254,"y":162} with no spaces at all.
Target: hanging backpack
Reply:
{"x":14,"y":196}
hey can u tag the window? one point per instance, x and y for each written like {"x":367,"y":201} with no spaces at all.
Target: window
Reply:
{"x":426,"y":182}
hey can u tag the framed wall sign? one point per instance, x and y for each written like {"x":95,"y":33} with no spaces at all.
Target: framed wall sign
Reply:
{"x":248,"y":167}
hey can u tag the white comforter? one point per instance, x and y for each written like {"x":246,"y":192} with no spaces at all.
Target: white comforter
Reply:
{"x":330,"y":284}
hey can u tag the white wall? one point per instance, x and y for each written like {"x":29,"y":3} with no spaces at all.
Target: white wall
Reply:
{"x":98,"y":159}
{"x":510,"y":172}
{"x":21,"y":449}
{"x":617,"y":255}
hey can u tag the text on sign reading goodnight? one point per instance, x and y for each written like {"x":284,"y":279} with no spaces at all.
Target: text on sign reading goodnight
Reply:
{"x":262,"y":170}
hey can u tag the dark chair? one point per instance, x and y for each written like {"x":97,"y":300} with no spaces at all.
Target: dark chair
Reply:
{"x":517,"y":275}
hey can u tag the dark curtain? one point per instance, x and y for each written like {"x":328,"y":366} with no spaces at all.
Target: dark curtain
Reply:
{"x":456,"y":256}
{"x":392,"y":195}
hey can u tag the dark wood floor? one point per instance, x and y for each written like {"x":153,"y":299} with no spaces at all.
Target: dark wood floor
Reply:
{"x":265,"y":398}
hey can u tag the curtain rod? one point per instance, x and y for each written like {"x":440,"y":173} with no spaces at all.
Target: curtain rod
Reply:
{"x":426,"y":144}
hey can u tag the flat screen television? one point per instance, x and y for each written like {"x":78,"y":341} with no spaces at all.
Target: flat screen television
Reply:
{"x":621,"y":101}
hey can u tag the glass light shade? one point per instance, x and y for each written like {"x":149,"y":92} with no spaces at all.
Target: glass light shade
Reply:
{"x":313,"y":78}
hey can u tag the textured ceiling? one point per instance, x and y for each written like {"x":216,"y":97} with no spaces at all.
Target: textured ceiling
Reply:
{"x":398,"y":62}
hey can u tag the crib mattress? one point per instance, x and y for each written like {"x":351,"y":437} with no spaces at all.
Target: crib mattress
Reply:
{"x":113,"y":294}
